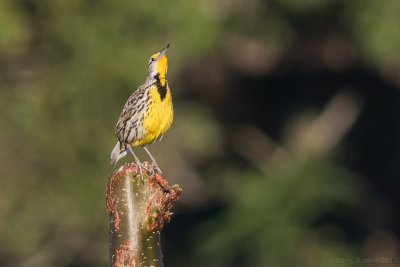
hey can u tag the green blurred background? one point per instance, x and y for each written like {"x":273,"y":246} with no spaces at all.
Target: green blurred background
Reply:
{"x":285,"y":139}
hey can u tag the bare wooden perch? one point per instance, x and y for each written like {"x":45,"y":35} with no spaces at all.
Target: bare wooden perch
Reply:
{"x":138,"y":212}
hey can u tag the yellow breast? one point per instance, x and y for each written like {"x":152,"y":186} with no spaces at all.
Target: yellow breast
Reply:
{"x":158,"y":117}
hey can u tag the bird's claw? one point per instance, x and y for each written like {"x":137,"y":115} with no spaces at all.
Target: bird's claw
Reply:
{"x":139,"y":166}
{"x":155,"y":168}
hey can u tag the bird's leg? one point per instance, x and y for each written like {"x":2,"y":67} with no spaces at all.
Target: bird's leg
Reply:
{"x":154,"y":163}
{"x":138,"y":163}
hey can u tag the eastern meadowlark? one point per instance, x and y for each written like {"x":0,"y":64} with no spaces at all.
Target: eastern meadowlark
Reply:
{"x":147,"y":114}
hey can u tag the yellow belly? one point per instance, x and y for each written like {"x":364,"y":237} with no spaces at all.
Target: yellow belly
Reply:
{"x":158,"y":118}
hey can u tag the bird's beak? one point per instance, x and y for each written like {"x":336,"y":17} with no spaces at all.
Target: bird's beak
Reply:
{"x":163,"y":51}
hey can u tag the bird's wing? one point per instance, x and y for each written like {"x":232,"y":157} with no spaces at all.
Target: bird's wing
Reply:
{"x":130,"y":123}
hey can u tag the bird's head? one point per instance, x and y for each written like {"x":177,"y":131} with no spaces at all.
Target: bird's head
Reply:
{"x":158,"y":64}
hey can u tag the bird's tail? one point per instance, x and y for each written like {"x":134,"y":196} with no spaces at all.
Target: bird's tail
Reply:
{"x":118,"y":152}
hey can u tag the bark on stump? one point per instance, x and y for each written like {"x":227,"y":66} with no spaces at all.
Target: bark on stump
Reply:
{"x":138,"y":211}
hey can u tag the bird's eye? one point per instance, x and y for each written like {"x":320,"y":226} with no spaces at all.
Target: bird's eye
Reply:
{"x":151,"y":60}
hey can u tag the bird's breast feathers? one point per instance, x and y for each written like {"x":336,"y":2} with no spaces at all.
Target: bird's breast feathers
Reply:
{"x":158,"y":117}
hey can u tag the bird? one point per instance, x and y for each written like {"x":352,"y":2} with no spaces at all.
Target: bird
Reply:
{"x":147,"y":114}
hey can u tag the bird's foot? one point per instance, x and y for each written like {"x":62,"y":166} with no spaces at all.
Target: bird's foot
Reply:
{"x":155,"y":168}
{"x":139,"y":166}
